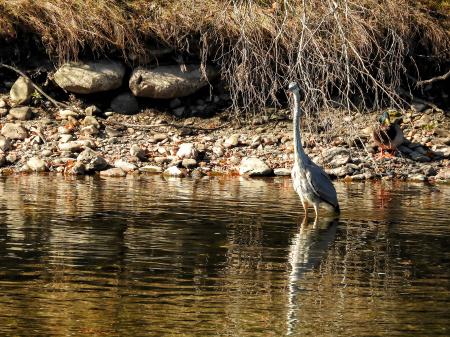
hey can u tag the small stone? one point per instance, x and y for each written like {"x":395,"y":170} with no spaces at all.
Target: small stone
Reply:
{"x":66,"y":113}
{"x":78,"y":168}
{"x":340,"y":172}
{"x":443,"y":174}
{"x":417,"y":177}
{"x":11,"y":158}
{"x":62,"y":130}
{"x":174,"y":171}
{"x":339,"y":160}
{"x":175,"y":103}
{"x":23,"y":113}
{"x":187,"y":150}
{"x":137,"y":152}
{"x":282,"y":171}
{"x":36,"y":164}
{"x":150,"y":169}
{"x":442,"y":150}
{"x":3,"y":112}
{"x":113,"y":132}
{"x":66,"y":138}
{"x":231,"y":141}
{"x":92,"y":110}
{"x":91,"y":120}
{"x":5,"y":143}
{"x":91,"y":160}
{"x":46,"y":153}
{"x":14,"y":131}
{"x":126,"y":166}
{"x":21,"y":91}
{"x":90,"y":130}
{"x":2,"y":103}
{"x":159,"y":137}
{"x":218,"y":151}
{"x":253,"y":166}
{"x":162,"y":160}
{"x":125,"y":104}
{"x":113,"y":172}
{"x":179,"y":112}
{"x":189,"y":163}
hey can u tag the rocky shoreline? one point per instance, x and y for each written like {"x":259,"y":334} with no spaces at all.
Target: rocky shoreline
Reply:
{"x":184,"y":141}
{"x":77,"y":143}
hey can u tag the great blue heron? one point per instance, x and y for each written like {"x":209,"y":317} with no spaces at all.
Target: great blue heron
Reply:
{"x":310,"y":182}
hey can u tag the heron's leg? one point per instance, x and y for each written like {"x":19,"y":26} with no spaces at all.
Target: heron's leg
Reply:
{"x":316,"y":210}
{"x":305,"y":206}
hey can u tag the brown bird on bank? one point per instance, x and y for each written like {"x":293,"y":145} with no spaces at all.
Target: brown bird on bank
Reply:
{"x":387,"y":134}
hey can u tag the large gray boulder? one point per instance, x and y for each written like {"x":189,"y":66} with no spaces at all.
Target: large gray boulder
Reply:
{"x":21,"y":90}
{"x":90,"y":77}
{"x":167,"y":82}
{"x":14,"y":131}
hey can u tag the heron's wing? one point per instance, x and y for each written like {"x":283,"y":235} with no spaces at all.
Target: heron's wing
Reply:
{"x":322,"y":184}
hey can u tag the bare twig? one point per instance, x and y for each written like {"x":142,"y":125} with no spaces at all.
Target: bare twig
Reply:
{"x":433,"y":79}
{"x":38,"y":89}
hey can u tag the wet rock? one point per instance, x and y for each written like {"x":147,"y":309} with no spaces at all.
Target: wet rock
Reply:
{"x":168,"y":82}
{"x":3,"y":112}
{"x":340,"y":172}
{"x":36,"y":164}
{"x":174,"y":171}
{"x":253,"y":166}
{"x":282,"y":171}
{"x":189,"y":163}
{"x":150,"y":169}
{"x":91,"y":160}
{"x":137,"y":152}
{"x":124,"y":165}
{"x":21,"y":91}
{"x":113,"y":172}
{"x":125,"y":104}
{"x":231,"y":141}
{"x":77,"y":169}
{"x":14,"y":131}
{"x":187,"y":150}
{"x":5,"y":143}
{"x":417,"y":177}
{"x":90,"y":77}
{"x":22,"y":113}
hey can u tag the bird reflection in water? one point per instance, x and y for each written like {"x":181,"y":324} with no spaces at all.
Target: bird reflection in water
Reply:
{"x":306,"y":251}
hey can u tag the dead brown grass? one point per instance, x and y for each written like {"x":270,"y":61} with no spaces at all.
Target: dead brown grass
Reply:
{"x":340,"y":51}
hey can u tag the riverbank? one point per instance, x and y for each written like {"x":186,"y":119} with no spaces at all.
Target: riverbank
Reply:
{"x":77,"y":142}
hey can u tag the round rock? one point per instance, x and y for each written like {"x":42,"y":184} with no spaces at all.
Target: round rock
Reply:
{"x":253,"y":166}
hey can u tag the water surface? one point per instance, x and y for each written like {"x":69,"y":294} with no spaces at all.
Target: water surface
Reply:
{"x":220,"y":257}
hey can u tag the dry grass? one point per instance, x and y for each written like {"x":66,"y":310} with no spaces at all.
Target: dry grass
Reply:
{"x":351,"y":53}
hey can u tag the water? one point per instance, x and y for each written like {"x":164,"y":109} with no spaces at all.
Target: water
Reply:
{"x":220,"y":257}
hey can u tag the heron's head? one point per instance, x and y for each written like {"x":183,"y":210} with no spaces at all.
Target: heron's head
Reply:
{"x":293,"y":86}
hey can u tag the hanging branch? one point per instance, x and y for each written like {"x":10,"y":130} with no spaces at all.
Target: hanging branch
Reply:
{"x":433,"y":79}
{"x":38,"y":89}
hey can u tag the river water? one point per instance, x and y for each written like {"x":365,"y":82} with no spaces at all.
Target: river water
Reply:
{"x":220,"y":257}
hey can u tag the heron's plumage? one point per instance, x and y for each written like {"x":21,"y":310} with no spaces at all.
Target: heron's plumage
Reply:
{"x":309,"y":180}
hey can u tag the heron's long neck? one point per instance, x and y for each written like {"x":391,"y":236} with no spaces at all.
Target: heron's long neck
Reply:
{"x":300,"y":156}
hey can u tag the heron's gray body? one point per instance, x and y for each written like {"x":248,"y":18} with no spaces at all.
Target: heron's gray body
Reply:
{"x":310,"y":181}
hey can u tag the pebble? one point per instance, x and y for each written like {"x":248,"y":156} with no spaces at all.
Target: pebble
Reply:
{"x":253,"y":166}
{"x":150,"y":169}
{"x":187,"y":150}
{"x":231,"y":141}
{"x":174,"y":171}
{"x":5,"y":143}
{"x":113,"y":172}
{"x":282,"y":171}
{"x":22,"y":113}
{"x":36,"y":164}
{"x":124,"y":165}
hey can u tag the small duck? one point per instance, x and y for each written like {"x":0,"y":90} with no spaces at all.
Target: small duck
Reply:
{"x":387,"y":134}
